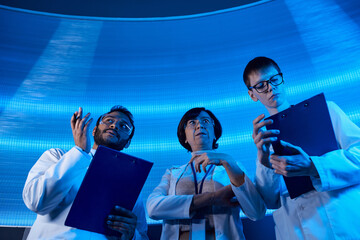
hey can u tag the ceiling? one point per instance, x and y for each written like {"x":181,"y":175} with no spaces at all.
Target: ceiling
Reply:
{"x":128,"y":9}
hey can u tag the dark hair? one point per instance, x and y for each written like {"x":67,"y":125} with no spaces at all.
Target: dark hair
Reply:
{"x":191,"y":114}
{"x":257,"y":64}
{"x":124,"y":110}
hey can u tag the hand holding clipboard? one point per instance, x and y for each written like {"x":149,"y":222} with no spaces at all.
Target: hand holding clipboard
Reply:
{"x":306,"y":130}
{"x":295,"y":163}
{"x":112,"y":179}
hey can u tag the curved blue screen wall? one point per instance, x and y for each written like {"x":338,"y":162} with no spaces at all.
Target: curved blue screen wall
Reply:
{"x":51,"y":64}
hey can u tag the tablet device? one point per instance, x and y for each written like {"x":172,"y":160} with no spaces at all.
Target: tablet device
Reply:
{"x":113,"y":178}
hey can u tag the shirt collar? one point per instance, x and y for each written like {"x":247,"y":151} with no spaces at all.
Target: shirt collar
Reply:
{"x":92,"y":152}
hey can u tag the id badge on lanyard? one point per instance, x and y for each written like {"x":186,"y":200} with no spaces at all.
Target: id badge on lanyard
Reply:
{"x":198,"y":191}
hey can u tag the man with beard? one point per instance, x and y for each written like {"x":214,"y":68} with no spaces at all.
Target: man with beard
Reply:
{"x":54,"y":180}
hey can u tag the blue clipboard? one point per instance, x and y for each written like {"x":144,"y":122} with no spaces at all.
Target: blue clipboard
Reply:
{"x":307,"y":125}
{"x":113,"y":178}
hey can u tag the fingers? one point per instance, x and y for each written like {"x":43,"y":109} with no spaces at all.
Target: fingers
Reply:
{"x":80,"y":121}
{"x":196,"y":159}
{"x":80,"y":129}
{"x":295,"y":149}
{"x":73,"y":120}
{"x":79,"y":116}
{"x":126,"y":229}
{"x":193,"y":158}
{"x":200,"y":161}
{"x":278,"y":158}
{"x":123,"y":221}
{"x":205,"y":163}
{"x":281,"y":164}
{"x":118,"y":220}
{"x":262,"y":138}
{"x":206,"y":159}
{"x":281,"y":172}
{"x":278,"y":162}
{"x":258,"y":119}
{"x":120,"y":211}
{"x":80,"y":112}
{"x":119,"y":228}
{"x":77,"y":122}
{"x":265,"y":135}
{"x":257,"y":124}
{"x":288,"y":160}
{"x":269,"y":133}
{"x":87,"y":125}
{"x":83,"y":121}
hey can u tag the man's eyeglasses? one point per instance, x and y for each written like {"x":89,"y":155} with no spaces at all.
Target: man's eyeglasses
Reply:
{"x":263,"y":86}
{"x":204,"y":122}
{"x":123,"y":126}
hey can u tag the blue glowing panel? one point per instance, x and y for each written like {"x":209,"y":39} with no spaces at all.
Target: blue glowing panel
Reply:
{"x":50,"y":65}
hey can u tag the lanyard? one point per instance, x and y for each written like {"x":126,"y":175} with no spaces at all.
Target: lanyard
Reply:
{"x":202,"y":181}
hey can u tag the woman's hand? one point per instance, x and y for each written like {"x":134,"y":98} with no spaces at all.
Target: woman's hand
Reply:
{"x":236,"y":175}
{"x":206,"y":159}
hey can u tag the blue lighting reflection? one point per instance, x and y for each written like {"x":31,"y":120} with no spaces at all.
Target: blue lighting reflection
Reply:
{"x":50,"y":65}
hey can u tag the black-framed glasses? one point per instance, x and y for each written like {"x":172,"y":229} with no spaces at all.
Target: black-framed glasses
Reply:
{"x":123,"y":126}
{"x":263,"y":86}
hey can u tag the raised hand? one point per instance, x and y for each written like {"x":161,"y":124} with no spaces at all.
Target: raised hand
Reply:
{"x":80,"y":130}
{"x":123,"y":221}
{"x":299,"y":164}
{"x":263,"y":139}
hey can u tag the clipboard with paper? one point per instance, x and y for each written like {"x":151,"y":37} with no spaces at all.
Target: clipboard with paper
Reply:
{"x":307,"y":125}
{"x":113,"y":178}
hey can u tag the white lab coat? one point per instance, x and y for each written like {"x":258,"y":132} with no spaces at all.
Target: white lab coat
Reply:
{"x":330,"y":211}
{"x":164,"y":204}
{"x":50,"y":190}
